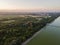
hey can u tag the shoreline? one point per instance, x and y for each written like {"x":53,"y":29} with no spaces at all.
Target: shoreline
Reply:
{"x":34,"y":35}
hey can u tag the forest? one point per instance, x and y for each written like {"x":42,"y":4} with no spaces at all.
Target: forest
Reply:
{"x":15,"y":31}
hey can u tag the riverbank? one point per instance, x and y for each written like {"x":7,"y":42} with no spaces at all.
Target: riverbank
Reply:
{"x":48,"y":21}
{"x":49,"y":35}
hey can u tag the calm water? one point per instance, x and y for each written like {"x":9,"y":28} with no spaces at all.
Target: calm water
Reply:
{"x":49,"y":35}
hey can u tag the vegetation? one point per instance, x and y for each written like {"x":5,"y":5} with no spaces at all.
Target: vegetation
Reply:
{"x":21,"y":29}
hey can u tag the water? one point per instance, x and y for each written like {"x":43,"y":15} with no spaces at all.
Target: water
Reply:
{"x":49,"y":35}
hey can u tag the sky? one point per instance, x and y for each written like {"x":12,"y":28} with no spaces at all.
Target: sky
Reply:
{"x":33,"y":5}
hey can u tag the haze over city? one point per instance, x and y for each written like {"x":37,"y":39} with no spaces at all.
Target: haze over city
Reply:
{"x":30,"y":5}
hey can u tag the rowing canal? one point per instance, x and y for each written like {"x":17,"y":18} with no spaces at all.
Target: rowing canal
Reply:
{"x":49,"y":35}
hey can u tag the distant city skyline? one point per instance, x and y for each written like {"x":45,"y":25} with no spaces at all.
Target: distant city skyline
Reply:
{"x":30,"y":5}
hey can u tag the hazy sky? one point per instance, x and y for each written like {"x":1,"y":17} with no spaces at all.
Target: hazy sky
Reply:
{"x":29,"y":4}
